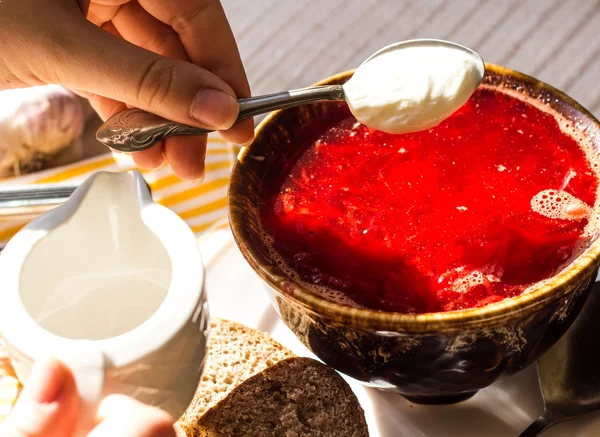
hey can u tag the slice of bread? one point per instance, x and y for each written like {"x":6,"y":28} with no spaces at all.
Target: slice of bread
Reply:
{"x":235,"y":353}
{"x":295,"y":397}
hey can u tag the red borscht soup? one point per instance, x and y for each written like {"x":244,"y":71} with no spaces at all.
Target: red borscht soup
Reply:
{"x":497,"y":198}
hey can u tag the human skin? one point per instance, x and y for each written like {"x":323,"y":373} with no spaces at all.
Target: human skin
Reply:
{"x":175,"y":58}
{"x":48,"y":407}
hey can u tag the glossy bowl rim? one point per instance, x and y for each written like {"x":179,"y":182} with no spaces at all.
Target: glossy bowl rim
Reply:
{"x":554,"y":288}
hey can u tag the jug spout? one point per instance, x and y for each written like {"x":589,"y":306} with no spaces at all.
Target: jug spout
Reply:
{"x":127,"y":191}
{"x":103,"y":194}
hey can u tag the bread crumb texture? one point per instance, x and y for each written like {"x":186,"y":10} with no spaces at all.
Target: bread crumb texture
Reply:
{"x":235,"y":353}
{"x":295,"y":397}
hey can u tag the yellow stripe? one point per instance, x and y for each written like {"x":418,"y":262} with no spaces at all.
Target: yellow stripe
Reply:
{"x":165,"y":182}
{"x":86,"y":168}
{"x":217,"y":140}
{"x":156,"y":185}
{"x":95,"y":165}
{"x":204,"y":226}
{"x":194,"y":192}
{"x":171,"y":179}
{"x":221,"y":226}
{"x":219,"y":165}
{"x":76,"y":171}
{"x":9,"y":391}
{"x":204,"y":208}
{"x":217,"y":151}
{"x":6,"y":234}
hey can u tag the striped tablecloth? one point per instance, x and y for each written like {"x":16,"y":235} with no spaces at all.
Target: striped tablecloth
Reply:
{"x":203,"y":205}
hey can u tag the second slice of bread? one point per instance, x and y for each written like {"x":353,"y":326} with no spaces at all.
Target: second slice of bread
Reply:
{"x":294,"y":398}
{"x":235,"y":353}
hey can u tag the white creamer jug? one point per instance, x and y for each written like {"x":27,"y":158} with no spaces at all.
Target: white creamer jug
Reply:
{"x":111,"y":283}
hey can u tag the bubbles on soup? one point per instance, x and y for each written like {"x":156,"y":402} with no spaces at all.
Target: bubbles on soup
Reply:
{"x":558,"y":204}
{"x":461,"y":279}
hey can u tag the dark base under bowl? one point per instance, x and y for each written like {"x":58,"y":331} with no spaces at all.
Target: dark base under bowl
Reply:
{"x":440,"y":400}
{"x":443,"y":367}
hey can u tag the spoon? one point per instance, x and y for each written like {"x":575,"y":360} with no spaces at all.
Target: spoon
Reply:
{"x":133,"y":130}
{"x":569,"y":372}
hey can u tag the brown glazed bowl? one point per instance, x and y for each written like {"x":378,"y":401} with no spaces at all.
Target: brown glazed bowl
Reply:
{"x":428,"y":358}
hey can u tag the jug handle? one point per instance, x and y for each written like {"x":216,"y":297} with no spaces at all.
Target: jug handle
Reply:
{"x":87,"y":363}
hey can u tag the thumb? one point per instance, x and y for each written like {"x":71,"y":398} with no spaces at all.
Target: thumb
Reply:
{"x":96,"y":61}
{"x":47,"y":406}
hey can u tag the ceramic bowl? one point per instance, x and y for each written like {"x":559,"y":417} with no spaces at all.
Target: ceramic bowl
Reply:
{"x":428,"y":358}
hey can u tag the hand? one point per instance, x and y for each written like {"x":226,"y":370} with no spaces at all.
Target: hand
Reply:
{"x":47,"y":407}
{"x":175,"y":58}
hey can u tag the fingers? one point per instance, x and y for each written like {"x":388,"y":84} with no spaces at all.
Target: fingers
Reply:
{"x":101,"y":13}
{"x":174,"y":89}
{"x":110,"y":2}
{"x":153,"y":158}
{"x":203,"y":29}
{"x":125,"y":417}
{"x":80,"y":93}
{"x":104,"y":64}
{"x":104,"y":106}
{"x":148,"y":159}
{"x":240,"y":133}
{"x":154,"y":32}
{"x":206,"y":35}
{"x":47,"y":406}
{"x":140,"y":28}
{"x":186,"y":156}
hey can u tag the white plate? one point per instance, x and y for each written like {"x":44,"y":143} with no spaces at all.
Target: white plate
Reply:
{"x":503,"y":410}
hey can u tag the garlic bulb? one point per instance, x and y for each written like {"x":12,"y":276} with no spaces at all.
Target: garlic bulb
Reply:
{"x":35,"y":124}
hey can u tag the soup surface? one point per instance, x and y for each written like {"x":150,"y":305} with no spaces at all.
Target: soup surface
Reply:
{"x":495,"y":199}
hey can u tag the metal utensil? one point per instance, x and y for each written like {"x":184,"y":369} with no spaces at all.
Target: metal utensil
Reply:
{"x":28,"y":201}
{"x":569,"y":373}
{"x":133,"y":130}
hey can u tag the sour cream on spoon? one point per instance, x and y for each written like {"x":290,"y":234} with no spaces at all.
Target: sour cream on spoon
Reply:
{"x":413,"y":86}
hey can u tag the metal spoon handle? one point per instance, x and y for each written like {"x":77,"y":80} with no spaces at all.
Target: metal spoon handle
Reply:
{"x":543,"y":422}
{"x":288,"y":99}
{"x":26,"y":202}
{"x":133,"y":130}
